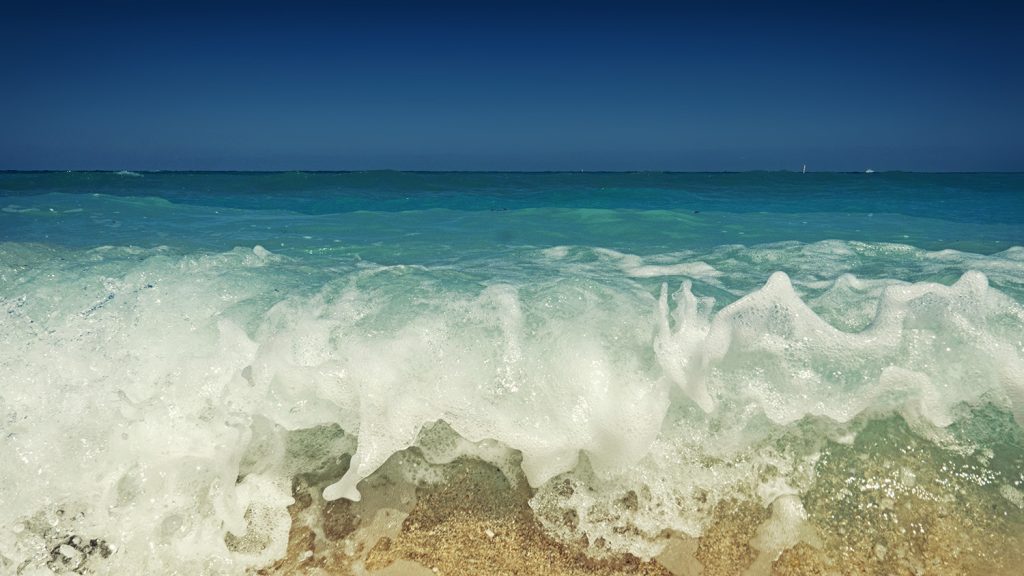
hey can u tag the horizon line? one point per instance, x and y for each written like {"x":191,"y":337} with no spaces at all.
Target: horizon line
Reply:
{"x":471,"y":171}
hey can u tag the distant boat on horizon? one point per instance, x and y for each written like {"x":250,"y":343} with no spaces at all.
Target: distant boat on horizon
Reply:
{"x":869,"y":171}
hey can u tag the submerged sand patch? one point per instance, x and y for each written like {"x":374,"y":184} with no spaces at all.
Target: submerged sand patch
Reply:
{"x":887,"y":503}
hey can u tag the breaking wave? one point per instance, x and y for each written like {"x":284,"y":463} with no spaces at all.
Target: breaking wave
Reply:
{"x":158,"y":405}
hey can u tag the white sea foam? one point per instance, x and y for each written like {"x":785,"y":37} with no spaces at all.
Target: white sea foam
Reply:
{"x":148,"y":397}
{"x":16,"y":209}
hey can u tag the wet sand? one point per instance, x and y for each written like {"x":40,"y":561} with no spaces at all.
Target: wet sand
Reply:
{"x":867,"y":514}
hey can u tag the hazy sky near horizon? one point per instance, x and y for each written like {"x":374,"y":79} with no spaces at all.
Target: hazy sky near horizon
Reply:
{"x":511,"y":85}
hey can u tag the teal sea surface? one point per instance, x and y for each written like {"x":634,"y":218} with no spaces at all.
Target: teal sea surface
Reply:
{"x":835,"y":349}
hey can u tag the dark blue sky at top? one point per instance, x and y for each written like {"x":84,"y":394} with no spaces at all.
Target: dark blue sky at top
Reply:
{"x":511,"y":85}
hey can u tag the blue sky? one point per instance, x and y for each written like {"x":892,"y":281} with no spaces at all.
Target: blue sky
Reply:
{"x":511,"y":86}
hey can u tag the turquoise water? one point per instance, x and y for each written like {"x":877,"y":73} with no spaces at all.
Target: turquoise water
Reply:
{"x":162,"y":333}
{"x":429,"y":218}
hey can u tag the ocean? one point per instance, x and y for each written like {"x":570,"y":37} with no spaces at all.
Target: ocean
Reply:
{"x":511,"y":373}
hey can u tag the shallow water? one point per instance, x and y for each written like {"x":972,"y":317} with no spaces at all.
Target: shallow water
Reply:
{"x":714,"y":372}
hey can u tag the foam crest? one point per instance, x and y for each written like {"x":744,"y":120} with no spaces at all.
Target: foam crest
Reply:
{"x":928,"y":348}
